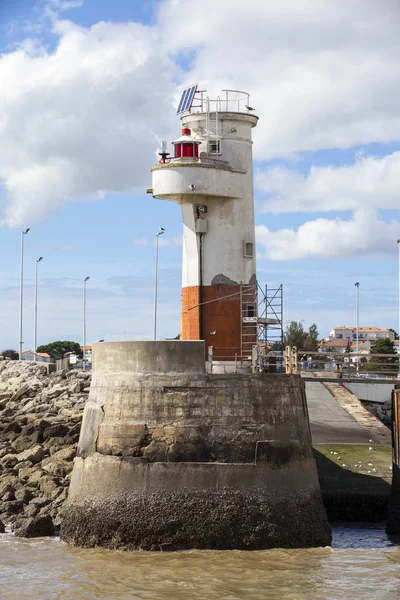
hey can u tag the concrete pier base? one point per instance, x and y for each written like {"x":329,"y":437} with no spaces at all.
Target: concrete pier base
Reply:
{"x":166,"y":506}
{"x":171,"y":458}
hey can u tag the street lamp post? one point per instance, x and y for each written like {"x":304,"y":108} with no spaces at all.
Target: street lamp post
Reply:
{"x":35,"y":310}
{"x":160,"y":232}
{"x":357,"y":323}
{"x":21,"y":291}
{"x":84,"y":322}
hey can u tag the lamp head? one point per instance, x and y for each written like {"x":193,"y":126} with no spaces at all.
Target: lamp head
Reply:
{"x":39,"y":259}
{"x":86,"y":278}
{"x":26,"y":231}
{"x":161,"y":231}
{"x":357,"y":284}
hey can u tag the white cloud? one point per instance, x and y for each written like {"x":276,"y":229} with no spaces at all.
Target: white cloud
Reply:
{"x":84,"y":119}
{"x":163,"y":241}
{"x":174,"y":241}
{"x":52,"y":8}
{"x":364,"y":235}
{"x":141,"y":242}
{"x":369,"y":182}
{"x":321,"y":74}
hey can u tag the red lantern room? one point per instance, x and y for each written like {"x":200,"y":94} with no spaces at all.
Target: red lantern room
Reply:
{"x":186,"y":146}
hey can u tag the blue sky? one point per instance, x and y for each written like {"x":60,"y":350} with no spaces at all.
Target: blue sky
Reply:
{"x":89,"y":90}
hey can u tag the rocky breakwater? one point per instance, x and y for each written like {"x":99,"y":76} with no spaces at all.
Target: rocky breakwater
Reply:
{"x":40,"y":419}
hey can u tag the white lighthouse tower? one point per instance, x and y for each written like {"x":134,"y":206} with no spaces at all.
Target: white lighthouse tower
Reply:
{"x":211,"y":176}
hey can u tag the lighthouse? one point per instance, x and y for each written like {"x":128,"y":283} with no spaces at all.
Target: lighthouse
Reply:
{"x":210,"y":174}
{"x":171,"y":454}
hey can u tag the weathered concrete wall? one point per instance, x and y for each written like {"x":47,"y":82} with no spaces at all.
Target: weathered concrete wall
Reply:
{"x":371,"y":392}
{"x":159,"y":435}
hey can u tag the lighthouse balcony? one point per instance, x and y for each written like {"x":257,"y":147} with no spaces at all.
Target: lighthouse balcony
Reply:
{"x":180,"y":179}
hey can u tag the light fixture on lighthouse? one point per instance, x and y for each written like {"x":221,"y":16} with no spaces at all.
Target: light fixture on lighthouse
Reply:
{"x":163,"y":152}
{"x":186,"y":146}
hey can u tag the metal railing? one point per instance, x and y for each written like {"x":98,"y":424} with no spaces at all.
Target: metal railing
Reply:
{"x":261,"y":359}
{"x":231,"y":101}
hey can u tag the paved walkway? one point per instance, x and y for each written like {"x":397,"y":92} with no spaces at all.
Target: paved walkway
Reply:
{"x":366,"y":419}
{"x":330,"y":423}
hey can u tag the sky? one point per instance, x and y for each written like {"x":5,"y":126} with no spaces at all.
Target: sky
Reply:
{"x":89,"y":88}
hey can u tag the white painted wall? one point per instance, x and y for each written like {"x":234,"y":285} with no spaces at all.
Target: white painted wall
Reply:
{"x":172,"y":181}
{"x":347,"y":333}
{"x":228,"y":195}
{"x":372,"y":392}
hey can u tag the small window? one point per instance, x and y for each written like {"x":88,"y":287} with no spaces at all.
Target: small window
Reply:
{"x":339,"y":336}
{"x":248,"y":249}
{"x":251,"y":311}
{"x":214,"y":146}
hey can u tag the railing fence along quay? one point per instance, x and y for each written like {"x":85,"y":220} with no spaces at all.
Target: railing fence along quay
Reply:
{"x":312,"y":364}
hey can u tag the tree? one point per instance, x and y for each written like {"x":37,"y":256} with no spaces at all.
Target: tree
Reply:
{"x":295,"y":335}
{"x":13,"y":354}
{"x":383,"y":346}
{"x":396,"y":335}
{"x":57,"y":349}
{"x":311,"y":341}
{"x":277,"y":346}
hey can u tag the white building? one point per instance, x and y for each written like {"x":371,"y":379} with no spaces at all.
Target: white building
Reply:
{"x":332,"y":345}
{"x":40,"y":356}
{"x":365,"y":334}
{"x":88,"y":353}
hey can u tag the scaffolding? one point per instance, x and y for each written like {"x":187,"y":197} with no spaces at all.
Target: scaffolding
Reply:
{"x":261,"y":332}
{"x":271,"y":316}
{"x":269,"y":354}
